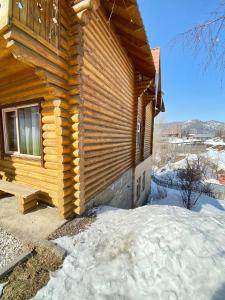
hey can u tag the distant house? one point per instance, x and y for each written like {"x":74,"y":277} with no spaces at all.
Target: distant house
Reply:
{"x":201,"y":136}
{"x":222,"y":179}
{"x":79,"y":90}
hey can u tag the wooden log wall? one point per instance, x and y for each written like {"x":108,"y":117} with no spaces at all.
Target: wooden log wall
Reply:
{"x":52,"y":76}
{"x":24,"y":170}
{"x":108,"y":106}
{"x":76,"y":107}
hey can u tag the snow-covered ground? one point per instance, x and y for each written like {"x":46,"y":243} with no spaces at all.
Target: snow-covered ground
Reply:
{"x":176,"y":140}
{"x":154,"y":252}
{"x":205,"y":205}
{"x":212,"y":142}
{"x":215,"y":142}
{"x":2,"y":285}
{"x":168,"y":172}
{"x":218,"y":157}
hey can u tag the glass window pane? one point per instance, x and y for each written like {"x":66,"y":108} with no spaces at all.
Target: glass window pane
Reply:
{"x":10,"y":119}
{"x":29,"y":130}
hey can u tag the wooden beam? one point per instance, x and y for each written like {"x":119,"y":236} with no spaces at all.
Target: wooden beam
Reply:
{"x":122,"y":22}
{"x":122,"y":3}
{"x":143,"y":68}
{"x":133,"y":41}
{"x":140,"y":58}
{"x":136,"y":50}
{"x":130,"y":37}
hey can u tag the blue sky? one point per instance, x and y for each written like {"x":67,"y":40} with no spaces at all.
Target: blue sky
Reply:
{"x":190,"y":91}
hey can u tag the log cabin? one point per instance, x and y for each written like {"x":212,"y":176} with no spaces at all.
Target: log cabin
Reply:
{"x":79,"y":90}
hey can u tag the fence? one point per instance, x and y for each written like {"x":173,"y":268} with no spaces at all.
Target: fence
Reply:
{"x":217,"y":191}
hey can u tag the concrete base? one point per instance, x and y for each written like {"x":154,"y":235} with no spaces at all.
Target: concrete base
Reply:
{"x":36,"y":225}
{"x":118,"y":194}
{"x":122,"y":193}
{"x":144,"y":167}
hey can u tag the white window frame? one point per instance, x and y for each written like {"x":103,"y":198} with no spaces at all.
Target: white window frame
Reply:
{"x":5,"y":134}
{"x":138,"y":142}
{"x":138,"y":188}
{"x":143,"y":181}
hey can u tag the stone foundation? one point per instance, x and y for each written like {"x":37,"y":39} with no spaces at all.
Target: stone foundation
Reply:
{"x":118,"y":194}
{"x":122,"y":193}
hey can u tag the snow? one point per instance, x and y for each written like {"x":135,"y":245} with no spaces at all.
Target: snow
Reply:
{"x":215,"y":142}
{"x":205,"y":205}
{"x":168,"y":172}
{"x":213,"y":181}
{"x":218,"y":157}
{"x":152,"y":252}
{"x":175,"y":140}
{"x":2,"y":285}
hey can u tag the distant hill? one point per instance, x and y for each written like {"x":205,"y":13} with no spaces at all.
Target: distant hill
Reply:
{"x":192,"y":126}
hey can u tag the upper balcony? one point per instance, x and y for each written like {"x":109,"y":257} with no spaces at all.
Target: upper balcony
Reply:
{"x":37,"y":18}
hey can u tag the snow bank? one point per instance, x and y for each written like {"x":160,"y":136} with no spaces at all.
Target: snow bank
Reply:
{"x":205,"y":205}
{"x":152,"y":252}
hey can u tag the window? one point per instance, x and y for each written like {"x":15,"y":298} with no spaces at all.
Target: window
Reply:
{"x":138,"y":134}
{"x":138,"y":189}
{"x":143,"y":181}
{"x":21,"y":126}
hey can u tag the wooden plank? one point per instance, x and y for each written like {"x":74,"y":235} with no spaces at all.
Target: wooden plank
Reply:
{"x":123,"y":3}
{"x":42,"y":18}
{"x":36,"y":16}
{"x":16,"y":6}
{"x":122,"y":22}
{"x":30,"y":14}
{"x":17,"y":189}
{"x":23,"y":12}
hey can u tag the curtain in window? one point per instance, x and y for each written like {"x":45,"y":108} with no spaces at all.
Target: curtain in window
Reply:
{"x":29,"y":130}
{"x":11,"y":131}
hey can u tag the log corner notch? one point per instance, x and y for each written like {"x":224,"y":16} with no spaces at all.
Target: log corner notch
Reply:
{"x":83,"y":9}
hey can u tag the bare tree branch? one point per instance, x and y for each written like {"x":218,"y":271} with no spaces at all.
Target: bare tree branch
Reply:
{"x":207,"y":39}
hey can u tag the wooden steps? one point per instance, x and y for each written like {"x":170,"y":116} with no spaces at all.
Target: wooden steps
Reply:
{"x":26,"y":196}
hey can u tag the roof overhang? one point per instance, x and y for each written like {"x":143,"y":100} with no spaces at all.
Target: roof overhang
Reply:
{"x":159,"y":103}
{"x":128,"y":25}
{"x":125,"y":18}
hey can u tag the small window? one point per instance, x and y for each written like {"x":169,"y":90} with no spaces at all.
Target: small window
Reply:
{"x":140,"y":77}
{"x":138,"y":133}
{"x":21,"y":127}
{"x":143,"y":181}
{"x":138,"y":189}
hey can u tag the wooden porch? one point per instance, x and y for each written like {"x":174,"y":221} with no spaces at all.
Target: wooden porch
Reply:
{"x":25,"y":195}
